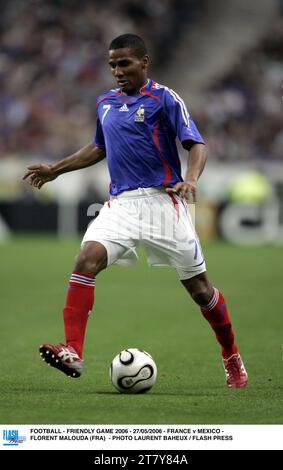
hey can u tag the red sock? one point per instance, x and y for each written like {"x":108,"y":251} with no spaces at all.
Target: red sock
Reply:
{"x":216,"y":314}
{"x":79,"y":303}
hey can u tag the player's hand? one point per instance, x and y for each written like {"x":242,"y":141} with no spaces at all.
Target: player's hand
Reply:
{"x":39,"y":175}
{"x":186,"y":189}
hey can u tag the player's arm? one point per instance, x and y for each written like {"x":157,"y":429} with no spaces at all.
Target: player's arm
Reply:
{"x":40,"y":174}
{"x":183,"y":126}
{"x":195,"y":166}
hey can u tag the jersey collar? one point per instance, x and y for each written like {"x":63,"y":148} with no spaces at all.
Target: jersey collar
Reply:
{"x":147,"y":86}
{"x":144,"y":90}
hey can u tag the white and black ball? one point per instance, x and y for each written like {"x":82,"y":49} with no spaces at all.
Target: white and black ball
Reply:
{"x":133,"y":371}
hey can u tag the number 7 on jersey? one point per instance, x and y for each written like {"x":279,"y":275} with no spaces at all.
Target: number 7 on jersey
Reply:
{"x":106,"y":107}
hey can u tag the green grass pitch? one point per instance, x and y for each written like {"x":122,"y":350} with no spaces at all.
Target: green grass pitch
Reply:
{"x":145,"y":308}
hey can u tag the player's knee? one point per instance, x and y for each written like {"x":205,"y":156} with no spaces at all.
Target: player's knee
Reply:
{"x":199,"y":288}
{"x":202,"y":296}
{"x":89,"y":265}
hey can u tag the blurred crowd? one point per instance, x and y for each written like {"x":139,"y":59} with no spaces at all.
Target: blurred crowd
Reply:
{"x":53,"y":66}
{"x":242,"y":114}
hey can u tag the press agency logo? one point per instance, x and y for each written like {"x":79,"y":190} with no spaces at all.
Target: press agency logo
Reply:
{"x":11,"y":437}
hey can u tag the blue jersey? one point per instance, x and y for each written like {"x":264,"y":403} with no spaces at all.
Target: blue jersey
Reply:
{"x":138,"y":133}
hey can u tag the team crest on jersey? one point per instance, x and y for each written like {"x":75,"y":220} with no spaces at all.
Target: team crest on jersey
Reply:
{"x":139,"y":117}
{"x":124,"y":108}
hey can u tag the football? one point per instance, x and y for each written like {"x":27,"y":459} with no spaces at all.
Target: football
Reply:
{"x":133,"y":371}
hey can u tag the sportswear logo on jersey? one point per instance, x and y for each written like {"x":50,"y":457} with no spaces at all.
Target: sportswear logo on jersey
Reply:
{"x":124,"y":108}
{"x":139,"y":117}
{"x":179,"y":100}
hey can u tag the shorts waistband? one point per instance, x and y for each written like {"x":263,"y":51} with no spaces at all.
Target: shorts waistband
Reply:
{"x":141,"y":192}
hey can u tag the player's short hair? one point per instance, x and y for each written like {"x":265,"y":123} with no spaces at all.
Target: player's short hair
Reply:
{"x":132,"y":41}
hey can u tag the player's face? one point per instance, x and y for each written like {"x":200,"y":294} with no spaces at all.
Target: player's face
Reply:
{"x":129,"y":71}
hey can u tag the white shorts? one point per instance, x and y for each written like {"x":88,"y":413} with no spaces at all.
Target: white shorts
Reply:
{"x":152,"y":218}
